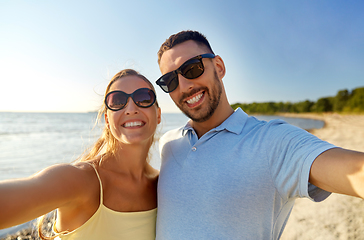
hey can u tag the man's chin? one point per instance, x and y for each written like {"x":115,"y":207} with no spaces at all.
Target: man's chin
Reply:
{"x":197,"y":115}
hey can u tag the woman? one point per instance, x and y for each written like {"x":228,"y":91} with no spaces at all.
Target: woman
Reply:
{"x":111,"y":193}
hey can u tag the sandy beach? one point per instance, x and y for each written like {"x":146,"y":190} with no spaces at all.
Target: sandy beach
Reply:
{"x":339,"y":216}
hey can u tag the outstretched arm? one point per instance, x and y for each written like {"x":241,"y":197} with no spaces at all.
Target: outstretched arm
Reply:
{"x":340,"y":171}
{"x":22,"y":200}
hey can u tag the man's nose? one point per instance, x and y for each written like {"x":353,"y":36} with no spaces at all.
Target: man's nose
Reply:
{"x":185,"y":84}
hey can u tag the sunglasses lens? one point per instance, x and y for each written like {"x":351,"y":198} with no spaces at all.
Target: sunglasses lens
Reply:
{"x":168,"y":82}
{"x":192,"y":69}
{"x":116,"y":100}
{"x":144,"y":97}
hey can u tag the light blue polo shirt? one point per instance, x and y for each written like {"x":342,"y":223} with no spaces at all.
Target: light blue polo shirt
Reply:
{"x":238,"y":181}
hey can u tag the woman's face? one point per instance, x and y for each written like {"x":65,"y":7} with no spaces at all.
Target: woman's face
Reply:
{"x":132,"y":124}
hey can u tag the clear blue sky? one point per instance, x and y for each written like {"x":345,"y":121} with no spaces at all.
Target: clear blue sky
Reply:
{"x":59,"y":55}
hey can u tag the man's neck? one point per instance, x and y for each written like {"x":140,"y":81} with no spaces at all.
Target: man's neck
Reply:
{"x":215,"y":120}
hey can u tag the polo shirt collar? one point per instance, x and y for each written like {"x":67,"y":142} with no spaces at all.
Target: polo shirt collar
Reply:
{"x":234,"y":123}
{"x":187,"y":128}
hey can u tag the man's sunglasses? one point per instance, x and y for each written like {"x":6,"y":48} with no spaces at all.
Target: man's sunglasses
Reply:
{"x":142,"y":97}
{"x":191,"y":69}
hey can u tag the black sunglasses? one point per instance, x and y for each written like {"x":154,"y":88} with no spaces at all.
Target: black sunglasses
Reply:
{"x":191,"y":69}
{"x":142,"y":97}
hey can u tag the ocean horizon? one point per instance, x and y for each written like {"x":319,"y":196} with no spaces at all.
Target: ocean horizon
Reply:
{"x":30,"y":142}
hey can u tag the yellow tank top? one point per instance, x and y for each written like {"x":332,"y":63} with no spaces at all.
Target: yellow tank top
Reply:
{"x":113,"y":225}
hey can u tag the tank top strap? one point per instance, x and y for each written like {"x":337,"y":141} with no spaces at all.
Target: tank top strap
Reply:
{"x":98,"y":176}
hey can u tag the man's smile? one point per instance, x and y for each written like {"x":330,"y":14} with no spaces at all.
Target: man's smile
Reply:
{"x":196,"y":99}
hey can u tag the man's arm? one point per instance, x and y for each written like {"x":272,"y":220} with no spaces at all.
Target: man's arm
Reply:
{"x":340,"y":171}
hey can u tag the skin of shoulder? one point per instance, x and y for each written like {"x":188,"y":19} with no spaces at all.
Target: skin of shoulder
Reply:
{"x":59,"y":186}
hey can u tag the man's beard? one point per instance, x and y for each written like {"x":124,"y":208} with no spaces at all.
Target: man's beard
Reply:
{"x":198,"y":114}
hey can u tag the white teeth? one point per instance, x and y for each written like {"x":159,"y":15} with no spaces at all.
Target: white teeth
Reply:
{"x":195,"y":99}
{"x":132,"y":124}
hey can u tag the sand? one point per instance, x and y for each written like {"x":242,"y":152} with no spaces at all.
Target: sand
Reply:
{"x":339,"y":216}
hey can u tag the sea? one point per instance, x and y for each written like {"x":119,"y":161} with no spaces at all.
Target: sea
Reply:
{"x":30,"y":142}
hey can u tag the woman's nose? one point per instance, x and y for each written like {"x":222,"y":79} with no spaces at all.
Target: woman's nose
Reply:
{"x":131,"y":107}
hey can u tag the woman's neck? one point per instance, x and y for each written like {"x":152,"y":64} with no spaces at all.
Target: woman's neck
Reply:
{"x":129,"y":159}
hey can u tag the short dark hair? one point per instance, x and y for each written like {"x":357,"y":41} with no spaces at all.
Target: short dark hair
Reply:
{"x":181,"y":37}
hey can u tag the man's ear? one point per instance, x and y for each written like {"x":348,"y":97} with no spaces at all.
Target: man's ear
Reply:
{"x":220,"y":67}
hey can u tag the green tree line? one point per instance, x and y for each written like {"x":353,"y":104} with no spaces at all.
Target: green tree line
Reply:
{"x":345,"y":101}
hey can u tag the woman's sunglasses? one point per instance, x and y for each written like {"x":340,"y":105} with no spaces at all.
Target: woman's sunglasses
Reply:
{"x":142,"y":97}
{"x":191,"y":69}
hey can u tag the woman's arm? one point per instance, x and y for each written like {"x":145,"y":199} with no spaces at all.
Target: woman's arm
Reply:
{"x":57,"y":186}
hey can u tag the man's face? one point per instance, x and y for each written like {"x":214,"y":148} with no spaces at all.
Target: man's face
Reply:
{"x":197,"y":98}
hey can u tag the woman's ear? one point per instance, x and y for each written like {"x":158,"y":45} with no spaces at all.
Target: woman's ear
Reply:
{"x":159,"y":115}
{"x":220,"y":67}
{"x":107,"y":121}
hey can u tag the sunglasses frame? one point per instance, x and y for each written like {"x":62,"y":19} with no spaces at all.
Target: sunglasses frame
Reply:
{"x":178,"y":71}
{"x":131,"y":95}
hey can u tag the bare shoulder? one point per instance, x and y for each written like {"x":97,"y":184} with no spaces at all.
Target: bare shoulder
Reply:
{"x":84,"y":174}
{"x":70,"y":179}
{"x":67,"y":172}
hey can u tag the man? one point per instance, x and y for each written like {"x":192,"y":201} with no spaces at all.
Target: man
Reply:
{"x":226,"y":175}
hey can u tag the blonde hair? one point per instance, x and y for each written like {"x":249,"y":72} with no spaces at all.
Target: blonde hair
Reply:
{"x":107,"y":144}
